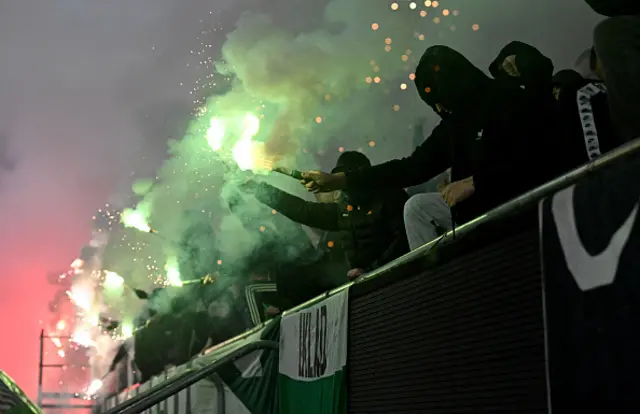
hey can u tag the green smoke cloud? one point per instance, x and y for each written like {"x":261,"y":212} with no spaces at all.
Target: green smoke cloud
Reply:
{"x":340,"y":80}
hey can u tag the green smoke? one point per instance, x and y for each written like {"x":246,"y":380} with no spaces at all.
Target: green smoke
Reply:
{"x":290,"y":94}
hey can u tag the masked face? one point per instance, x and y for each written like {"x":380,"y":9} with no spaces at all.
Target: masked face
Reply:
{"x":448,"y":81}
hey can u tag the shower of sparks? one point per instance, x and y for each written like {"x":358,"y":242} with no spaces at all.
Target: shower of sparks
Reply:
{"x":240,"y":144}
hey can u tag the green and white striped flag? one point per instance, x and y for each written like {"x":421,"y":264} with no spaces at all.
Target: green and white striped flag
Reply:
{"x":313,"y":358}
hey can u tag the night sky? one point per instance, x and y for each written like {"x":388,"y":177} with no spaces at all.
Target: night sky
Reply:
{"x":90,"y":91}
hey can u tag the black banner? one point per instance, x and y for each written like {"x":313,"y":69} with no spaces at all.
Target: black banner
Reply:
{"x":591,"y":268}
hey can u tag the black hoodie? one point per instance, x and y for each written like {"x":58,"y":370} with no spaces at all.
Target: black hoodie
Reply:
{"x":370,"y":231}
{"x":493,"y":134}
{"x":615,"y":7}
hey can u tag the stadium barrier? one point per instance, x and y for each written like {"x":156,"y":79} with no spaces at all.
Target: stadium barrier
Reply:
{"x":532,"y":306}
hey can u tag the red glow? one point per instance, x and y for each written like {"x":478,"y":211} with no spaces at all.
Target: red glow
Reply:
{"x":40,"y":243}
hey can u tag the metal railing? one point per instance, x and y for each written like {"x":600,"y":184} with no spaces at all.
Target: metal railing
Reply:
{"x":174,"y":385}
{"x":165,"y":390}
{"x":509,"y":208}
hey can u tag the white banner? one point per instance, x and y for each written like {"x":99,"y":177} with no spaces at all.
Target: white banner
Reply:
{"x":313,"y":341}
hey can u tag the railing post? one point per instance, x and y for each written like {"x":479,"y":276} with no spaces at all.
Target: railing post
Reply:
{"x":40,"y":367}
{"x":221,"y":397}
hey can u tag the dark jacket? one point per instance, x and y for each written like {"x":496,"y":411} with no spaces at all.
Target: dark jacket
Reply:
{"x":615,"y":7}
{"x":371,"y":233}
{"x":536,"y":70}
{"x":586,"y":129}
{"x":494,"y":134}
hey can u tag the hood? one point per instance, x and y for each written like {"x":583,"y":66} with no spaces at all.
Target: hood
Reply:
{"x":568,"y":78}
{"x":535,"y":68}
{"x":445,"y":76}
{"x":584,"y":64}
{"x":351,"y":160}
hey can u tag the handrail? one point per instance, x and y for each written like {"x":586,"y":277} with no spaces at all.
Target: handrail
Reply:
{"x":174,"y":385}
{"x":137,"y":404}
{"x":222,"y":406}
{"x":499,"y":212}
{"x":523,"y":201}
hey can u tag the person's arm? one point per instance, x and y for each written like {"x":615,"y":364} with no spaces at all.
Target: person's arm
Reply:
{"x":393,"y":214}
{"x":319,"y":215}
{"x":426,"y":161}
{"x":536,"y":70}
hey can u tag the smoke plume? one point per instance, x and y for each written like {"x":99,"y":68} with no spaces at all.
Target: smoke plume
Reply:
{"x":307,"y":90}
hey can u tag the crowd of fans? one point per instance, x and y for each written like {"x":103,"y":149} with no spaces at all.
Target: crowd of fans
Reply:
{"x":504,"y":136}
{"x":498,"y":137}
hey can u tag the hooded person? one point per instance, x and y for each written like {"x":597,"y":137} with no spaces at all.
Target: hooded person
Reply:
{"x":367,"y":225}
{"x":584,"y":121}
{"x":523,"y":65}
{"x":616,"y":41}
{"x":487,"y":136}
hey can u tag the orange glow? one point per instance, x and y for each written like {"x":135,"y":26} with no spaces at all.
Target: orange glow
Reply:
{"x":435,"y":3}
{"x":387,"y":48}
{"x":436,"y":68}
{"x":445,"y":12}
{"x":475,"y":27}
{"x":377,"y":79}
{"x":349,"y":207}
{"x":423,"y":13}
{"x":341,"y":149}
{"x":421,"y":37}
{"x":412,"y":76}
{"x":387,"y":40}
{"x":330,"y":244}
{"x":375,"y":26}
{"x":394,"y":6}
{"x":396,"y":108}
{"x":262,"y":229}
{"x":219,"y":261}
{"x":368,"y":79}
{"x":405,"y":58}
{"x":427,"y":89}
{"x":372,"y":144}
{"x":318,"y":119}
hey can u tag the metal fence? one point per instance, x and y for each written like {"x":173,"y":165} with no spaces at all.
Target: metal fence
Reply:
{"x":457,"y":329}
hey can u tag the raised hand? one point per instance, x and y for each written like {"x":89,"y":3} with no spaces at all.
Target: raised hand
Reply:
{"x":321,"y":182}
